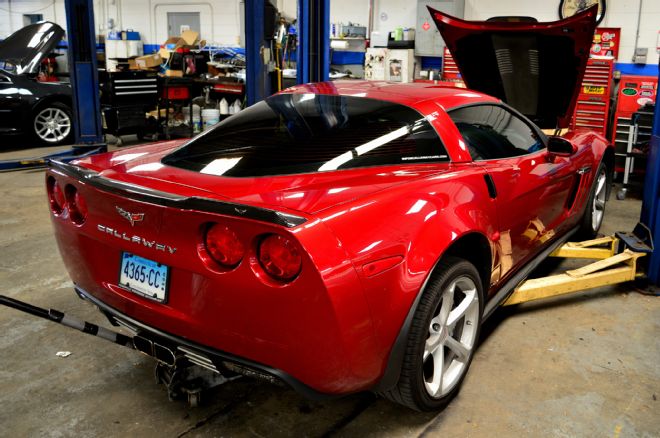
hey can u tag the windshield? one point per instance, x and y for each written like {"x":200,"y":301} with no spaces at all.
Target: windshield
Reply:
{"x":303,"y":133}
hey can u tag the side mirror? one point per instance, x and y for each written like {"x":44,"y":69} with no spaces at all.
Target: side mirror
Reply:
{"x":561,"y":147}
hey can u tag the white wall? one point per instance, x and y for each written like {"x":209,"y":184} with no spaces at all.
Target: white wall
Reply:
{"x":390,"y":14}
{"x":11,"y":13}
{"x":220,"y":18}
{"x":288,"y":8}
{"x":354,"y":11}
{"x":620,"y":13}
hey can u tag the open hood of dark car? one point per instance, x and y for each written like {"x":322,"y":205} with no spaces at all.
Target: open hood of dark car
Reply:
{"x":26,"y":47}
{"x":536,"y":68}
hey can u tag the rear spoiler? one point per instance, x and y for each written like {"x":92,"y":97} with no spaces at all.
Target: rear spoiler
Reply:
{"x":151,"y":196}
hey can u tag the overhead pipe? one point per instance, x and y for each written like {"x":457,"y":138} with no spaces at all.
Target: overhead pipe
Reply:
{"x":370,"y":23}
{"x":639,"y":20}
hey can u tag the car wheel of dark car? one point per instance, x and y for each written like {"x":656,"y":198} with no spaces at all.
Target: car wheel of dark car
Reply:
{"x":53,"y":124}
{"x":443,"y":337}
{"x":593,"y":214}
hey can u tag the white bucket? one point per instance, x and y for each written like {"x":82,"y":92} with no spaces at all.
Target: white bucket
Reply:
{"x":210,"y":117}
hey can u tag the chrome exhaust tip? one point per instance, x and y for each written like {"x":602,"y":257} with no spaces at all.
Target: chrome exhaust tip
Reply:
{"x":164,"y":355}
{"x":143,"y":345}
{"x":159,"y":352}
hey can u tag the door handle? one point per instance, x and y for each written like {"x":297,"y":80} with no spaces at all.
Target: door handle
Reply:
{"x":583,"y":170}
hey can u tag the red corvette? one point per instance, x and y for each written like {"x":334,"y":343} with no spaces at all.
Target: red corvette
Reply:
{"x":345,"y":236}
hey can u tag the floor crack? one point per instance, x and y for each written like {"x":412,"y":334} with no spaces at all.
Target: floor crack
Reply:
{"x":361,"y":406}
{"x":220,"y":412}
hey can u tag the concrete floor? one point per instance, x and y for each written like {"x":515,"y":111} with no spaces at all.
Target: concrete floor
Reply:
{"x":584,"y":365}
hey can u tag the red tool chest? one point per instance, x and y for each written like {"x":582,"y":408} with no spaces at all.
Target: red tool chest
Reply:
{"x":450,"y":72}
{"x":634,"y":92}
{"x":593,"y":104}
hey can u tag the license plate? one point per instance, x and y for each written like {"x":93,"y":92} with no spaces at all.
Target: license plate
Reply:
{"x":143,"y":276}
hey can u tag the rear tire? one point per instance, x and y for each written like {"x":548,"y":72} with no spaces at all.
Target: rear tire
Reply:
{"x":443,"y":337}
{"x":52,"y":124}
{"x":595,"y":210}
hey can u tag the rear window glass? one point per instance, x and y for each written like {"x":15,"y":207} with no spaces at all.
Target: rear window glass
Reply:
{"x":303,"y":133}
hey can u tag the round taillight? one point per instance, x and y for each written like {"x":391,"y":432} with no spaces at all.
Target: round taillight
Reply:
{"x":77,"y":205}
{"x":55,"y":196}
{"x":280,"y":257}
{"x":223,"y":245}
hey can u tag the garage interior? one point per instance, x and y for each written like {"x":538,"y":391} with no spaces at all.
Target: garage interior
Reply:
{"x":582,"y":364}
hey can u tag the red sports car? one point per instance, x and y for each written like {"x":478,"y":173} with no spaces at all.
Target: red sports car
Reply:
{"x":345,"y":236}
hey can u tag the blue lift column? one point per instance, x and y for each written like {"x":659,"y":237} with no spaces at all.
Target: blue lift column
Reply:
{"x":651,"y":203}
{"x":81,"y":37}
{"x":256,"y":78}
{"x":313,"y":54}
{"x":88,"y":134}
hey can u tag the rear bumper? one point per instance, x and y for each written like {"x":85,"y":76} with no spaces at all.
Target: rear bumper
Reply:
{"x":219,"y":359}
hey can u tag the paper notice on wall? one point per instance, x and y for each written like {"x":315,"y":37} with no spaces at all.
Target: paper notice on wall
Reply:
{"x":395,"y":70}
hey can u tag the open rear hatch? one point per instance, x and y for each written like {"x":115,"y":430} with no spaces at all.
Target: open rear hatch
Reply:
{"x":537,"y":68}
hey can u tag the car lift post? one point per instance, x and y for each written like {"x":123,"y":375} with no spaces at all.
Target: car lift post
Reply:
{"x":255,"y":77}
{"x":313,"y":54}
{"x":83,"y":73}
{"x":651,"y":201}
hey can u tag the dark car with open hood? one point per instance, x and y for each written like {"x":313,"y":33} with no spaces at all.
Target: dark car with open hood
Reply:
{"x":28,"y":105}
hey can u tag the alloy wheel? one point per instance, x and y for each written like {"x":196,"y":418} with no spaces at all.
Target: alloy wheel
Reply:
{"x":52,"y":125}
{"x":600,"y":195}
{"x":452,"y":337}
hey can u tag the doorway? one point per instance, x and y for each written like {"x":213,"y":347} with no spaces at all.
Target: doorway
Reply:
{"x":178,"y":22}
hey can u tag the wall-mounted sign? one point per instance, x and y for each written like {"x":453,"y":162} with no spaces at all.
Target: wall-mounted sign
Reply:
{"x":606,"y":42}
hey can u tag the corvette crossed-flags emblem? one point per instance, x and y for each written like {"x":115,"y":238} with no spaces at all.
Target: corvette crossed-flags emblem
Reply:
{"x":131,"y":217}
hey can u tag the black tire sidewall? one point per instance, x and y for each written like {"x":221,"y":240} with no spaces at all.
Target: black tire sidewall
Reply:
{"x":586,"y":226}
{"x":451,"y":269}
{"x":58,"y":105}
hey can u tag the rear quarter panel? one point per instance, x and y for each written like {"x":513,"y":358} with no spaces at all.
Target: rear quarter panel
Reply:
{"x":417,"y":221}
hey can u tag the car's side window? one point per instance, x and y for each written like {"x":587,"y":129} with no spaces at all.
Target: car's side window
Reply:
{"x":493,"y":132}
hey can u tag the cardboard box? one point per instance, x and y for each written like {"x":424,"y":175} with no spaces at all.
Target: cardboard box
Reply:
{"x":174,"y":73}
{"x":164,"y":53}
{"x":170,"y":45}
{"x":187,"y":38}
{"x":132,"y":64}
{"x":190,"y":37}
{"x":173,"y":42}
{"x":148,"y":61}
